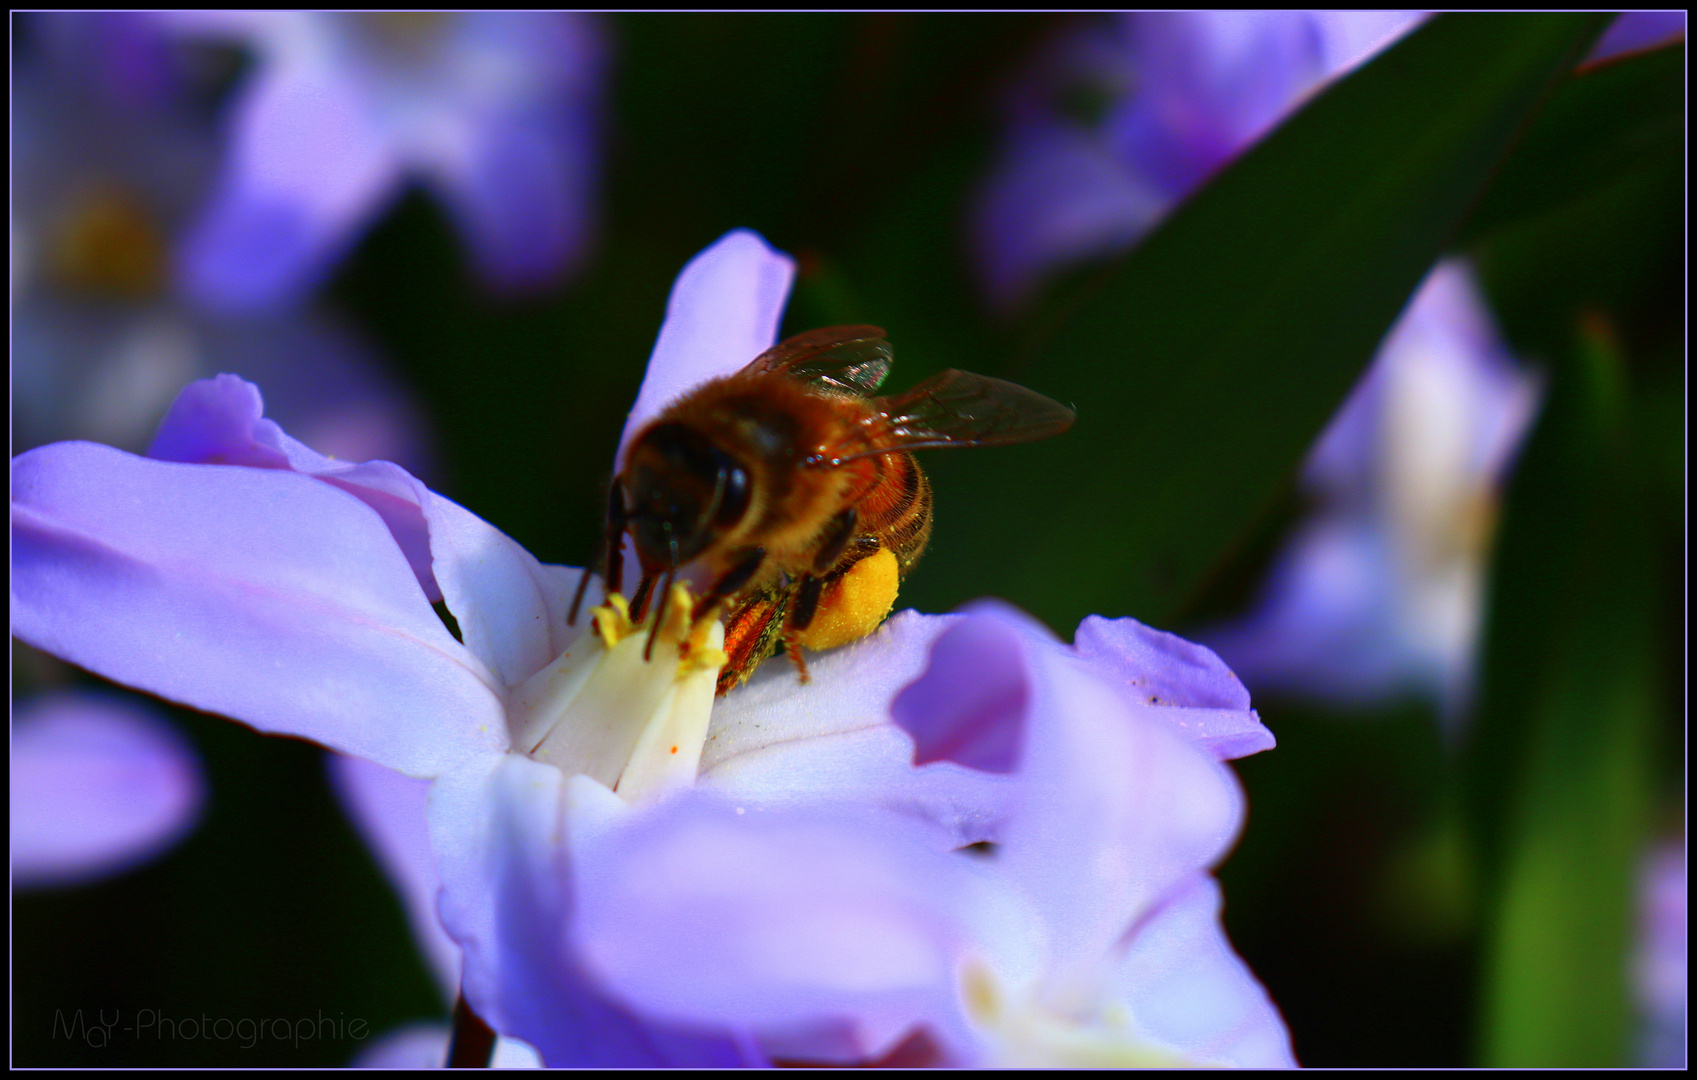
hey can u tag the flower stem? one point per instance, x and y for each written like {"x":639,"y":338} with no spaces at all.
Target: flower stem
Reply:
{"x":473,"y":1044}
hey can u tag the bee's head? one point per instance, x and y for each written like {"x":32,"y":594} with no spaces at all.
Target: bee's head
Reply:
{"x":681,"y":493}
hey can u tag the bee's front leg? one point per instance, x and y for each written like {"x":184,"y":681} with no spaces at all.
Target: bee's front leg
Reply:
{"x":743,"y":568}
{"x":612,"y":550}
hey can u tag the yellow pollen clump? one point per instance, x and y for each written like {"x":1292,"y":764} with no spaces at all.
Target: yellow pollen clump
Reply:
{"x":612,"y":620}
{"x":852,"y":606}
{"x":613,"y":624}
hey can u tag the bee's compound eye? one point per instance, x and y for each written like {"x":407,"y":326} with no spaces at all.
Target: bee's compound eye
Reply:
{"x":683,"y":490}
{"x":733,"y":503}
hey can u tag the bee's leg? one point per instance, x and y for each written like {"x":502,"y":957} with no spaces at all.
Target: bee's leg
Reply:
{"x":740,"y":573}
{"x":793,"y":647}
{"x":751,"y":634}
{"x":800,"y":615}
{"x":612,"y":551}
{"x":836,"y":541}
{"x":806,"y":603}
{"x":659,"y":614}
{"x":639,"y":598}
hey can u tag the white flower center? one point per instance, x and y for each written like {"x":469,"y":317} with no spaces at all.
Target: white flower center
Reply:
{"x":1026,"y":1030}
{"x":635,"y":724}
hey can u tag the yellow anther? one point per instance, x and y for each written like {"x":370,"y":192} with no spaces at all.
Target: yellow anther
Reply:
{"x":612,"y":620}
{"x":700,"y":659}
{"x":678,"y":608}
{"x":613,"y":624}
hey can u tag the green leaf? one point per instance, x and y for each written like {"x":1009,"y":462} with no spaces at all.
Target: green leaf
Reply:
{"x":1209,"y":360}
{"x":1559,"y":769}
{"x":1608,"y":121}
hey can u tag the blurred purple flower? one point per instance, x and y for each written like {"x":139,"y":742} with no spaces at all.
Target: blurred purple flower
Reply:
{"x":1659,"y":959}
{"x":298,"y":590}
{"x":1639,"y":30}
{"x":1381,"y":590}
{"x":495,"y":112}
{"x":1123,"y":118}
{"x":100,"y":784}
{"x":109,"y":159}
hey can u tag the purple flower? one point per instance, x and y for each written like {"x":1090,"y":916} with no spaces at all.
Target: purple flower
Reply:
{"x":811,"y":894}
{"x":99,"y":785}
{"x":494,"y":112}
{"x":1659,"y":957}
{"x":109,"y":159}
{"x":1639,"y":30}
{"x":1122,"y":119}
{"x":1381,"y":590}
{"x":296,"y":591}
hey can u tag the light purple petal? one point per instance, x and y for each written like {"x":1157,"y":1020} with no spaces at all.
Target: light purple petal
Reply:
{"x":258,"y":594}
{"x":511,"y":609}
{"x":775,"y":742}
{"x":832,"y":930}
{"x":1381,"y":590}
{"x":500,"y":829}
{"x":1113,"y":809}
{"x":221,"y":421}
{"x":1639,"y":30}
{"x":1351,"y":38}
{"x":1185,"y":986}
{"x":1056,"y":196}
{"x":723,"y":312}
{"x":307,"y":170}
{"x":1158,"y":668}
{"x":1660,"y":963}
{"x":1175,"y":681}
{"x":523,"y":197}
{"x":515,"y":158}
{"x":1325,"y":622}
{"x":389,"y":810}
{"x":324,"y":385}
{"x":1210,"y":83}
{"x":1186,"y":93}
{"x":99,"y":784}
{"x":970,"y":705}
{"x":1447,"y":328}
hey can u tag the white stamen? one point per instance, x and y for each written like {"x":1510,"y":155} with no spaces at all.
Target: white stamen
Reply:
{"x":636,"y":726}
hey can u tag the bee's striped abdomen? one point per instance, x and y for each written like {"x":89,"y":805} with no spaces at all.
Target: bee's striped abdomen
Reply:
{"x":899,"y":510}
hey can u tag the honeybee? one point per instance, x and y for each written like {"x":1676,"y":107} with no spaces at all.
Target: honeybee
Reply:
{"x":795,"y":491}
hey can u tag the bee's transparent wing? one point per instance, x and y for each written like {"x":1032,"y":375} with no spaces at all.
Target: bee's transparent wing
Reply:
{"x":843,"y":359}
{"x":958,"y":408}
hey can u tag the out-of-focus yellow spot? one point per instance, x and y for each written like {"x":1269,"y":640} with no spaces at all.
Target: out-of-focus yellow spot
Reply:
{"x":853,"y":605}
{"x":107,"y":243}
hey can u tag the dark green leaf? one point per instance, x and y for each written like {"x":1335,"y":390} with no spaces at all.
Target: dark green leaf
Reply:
{"x":1209,"y":360}
{"x":1608,"y":121}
